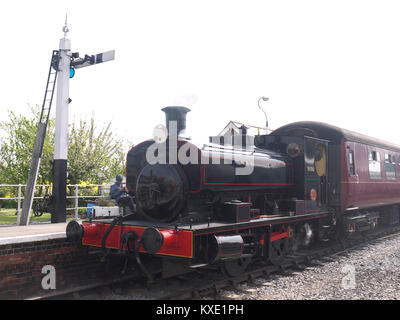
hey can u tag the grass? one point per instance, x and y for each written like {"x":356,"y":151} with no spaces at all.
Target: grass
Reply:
{"x":11,"y":218}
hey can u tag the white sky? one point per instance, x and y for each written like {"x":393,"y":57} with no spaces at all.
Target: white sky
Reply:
{"x":331,"y":61}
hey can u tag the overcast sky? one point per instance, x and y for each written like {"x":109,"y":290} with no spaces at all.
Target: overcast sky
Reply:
{"x":331,"y":61}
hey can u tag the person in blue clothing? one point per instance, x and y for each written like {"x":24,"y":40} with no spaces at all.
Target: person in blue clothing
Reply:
{"x":116,"y":189}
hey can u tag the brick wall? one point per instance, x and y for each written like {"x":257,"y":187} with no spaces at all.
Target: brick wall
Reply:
{"x":21,"y":267}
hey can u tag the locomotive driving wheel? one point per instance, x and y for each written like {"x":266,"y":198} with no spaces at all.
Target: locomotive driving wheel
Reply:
{"x":235,"y":267}
{"x":279,"y":250}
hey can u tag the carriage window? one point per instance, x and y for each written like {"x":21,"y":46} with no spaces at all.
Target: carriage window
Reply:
{"x":374,"y":165}
{"x":390,"y":166}
{"x":398,"y":168}
{"x":351,"y":163}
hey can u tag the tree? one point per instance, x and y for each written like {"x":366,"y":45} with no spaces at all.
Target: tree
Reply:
{"x":16,"y":148}
{"x":92,"y":156}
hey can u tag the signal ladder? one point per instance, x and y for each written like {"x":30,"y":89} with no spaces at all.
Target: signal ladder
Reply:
{"x":39,"y":139}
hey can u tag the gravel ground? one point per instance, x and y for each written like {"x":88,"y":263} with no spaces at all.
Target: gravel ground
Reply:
{"x":368,"y":272}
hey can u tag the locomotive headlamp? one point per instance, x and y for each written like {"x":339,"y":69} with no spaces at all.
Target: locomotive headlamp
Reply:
{"x":160,"y":133}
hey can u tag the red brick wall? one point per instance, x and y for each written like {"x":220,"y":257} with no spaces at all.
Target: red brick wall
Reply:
{"x":21,"y":267}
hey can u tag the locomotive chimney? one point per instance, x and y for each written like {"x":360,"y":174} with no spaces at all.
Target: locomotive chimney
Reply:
{"x":177,"y":115}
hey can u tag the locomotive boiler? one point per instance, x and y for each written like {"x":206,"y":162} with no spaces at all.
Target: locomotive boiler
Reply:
{"x":190,"y":182}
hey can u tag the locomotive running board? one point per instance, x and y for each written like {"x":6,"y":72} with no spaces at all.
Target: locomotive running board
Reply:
{"x":216,"y":227}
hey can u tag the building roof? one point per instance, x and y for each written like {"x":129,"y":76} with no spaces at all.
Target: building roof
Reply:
{"x":233,"y":127}
{"x":230,"y":129}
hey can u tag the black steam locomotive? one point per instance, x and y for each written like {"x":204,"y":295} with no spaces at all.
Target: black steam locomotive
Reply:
{"x":234,"y":200}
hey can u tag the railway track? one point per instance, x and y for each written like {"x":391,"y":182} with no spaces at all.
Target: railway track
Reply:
{"x":208,"y":282}
{"x":77,"y":292}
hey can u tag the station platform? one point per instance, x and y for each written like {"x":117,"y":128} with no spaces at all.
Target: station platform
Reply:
{"x":33,"y":232}
{"x":26,"y":250}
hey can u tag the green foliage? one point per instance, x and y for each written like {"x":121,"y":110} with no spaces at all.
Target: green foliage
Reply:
{"x":17,"y":145}
{"x":11,"y":218}
{"x":93,"y":156}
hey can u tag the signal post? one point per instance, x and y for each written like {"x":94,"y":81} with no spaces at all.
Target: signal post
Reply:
{"x":66,"y":70}
{"x":64,"y":63}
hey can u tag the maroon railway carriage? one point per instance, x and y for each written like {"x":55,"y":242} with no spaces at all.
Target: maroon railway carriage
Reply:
{"x":310,"y":181}
{"x":363,"y":174}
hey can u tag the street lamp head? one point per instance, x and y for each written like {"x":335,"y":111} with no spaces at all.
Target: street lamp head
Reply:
{"x":266,"y":118}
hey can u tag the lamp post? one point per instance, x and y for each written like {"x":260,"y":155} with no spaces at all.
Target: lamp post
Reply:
{"x":266,"y":118}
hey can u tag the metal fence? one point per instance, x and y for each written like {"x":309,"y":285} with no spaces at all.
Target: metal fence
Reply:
{"x":104,"y":191}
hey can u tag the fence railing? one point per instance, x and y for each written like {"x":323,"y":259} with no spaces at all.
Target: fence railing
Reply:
{"x":103,"y":193}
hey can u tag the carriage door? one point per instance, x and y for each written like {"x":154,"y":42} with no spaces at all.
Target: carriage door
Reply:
{"x":315,"y":173}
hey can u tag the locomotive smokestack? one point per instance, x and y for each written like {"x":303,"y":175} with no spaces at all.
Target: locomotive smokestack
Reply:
{"x":178,"y":115}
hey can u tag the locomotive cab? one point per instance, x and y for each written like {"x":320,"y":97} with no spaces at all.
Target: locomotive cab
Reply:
{"x":310,"y":163}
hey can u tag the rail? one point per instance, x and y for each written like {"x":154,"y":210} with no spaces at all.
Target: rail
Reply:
{"x":18,"y":195}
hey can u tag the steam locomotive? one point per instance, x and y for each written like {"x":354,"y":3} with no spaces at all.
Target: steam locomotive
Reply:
{"x":240,"y":198}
